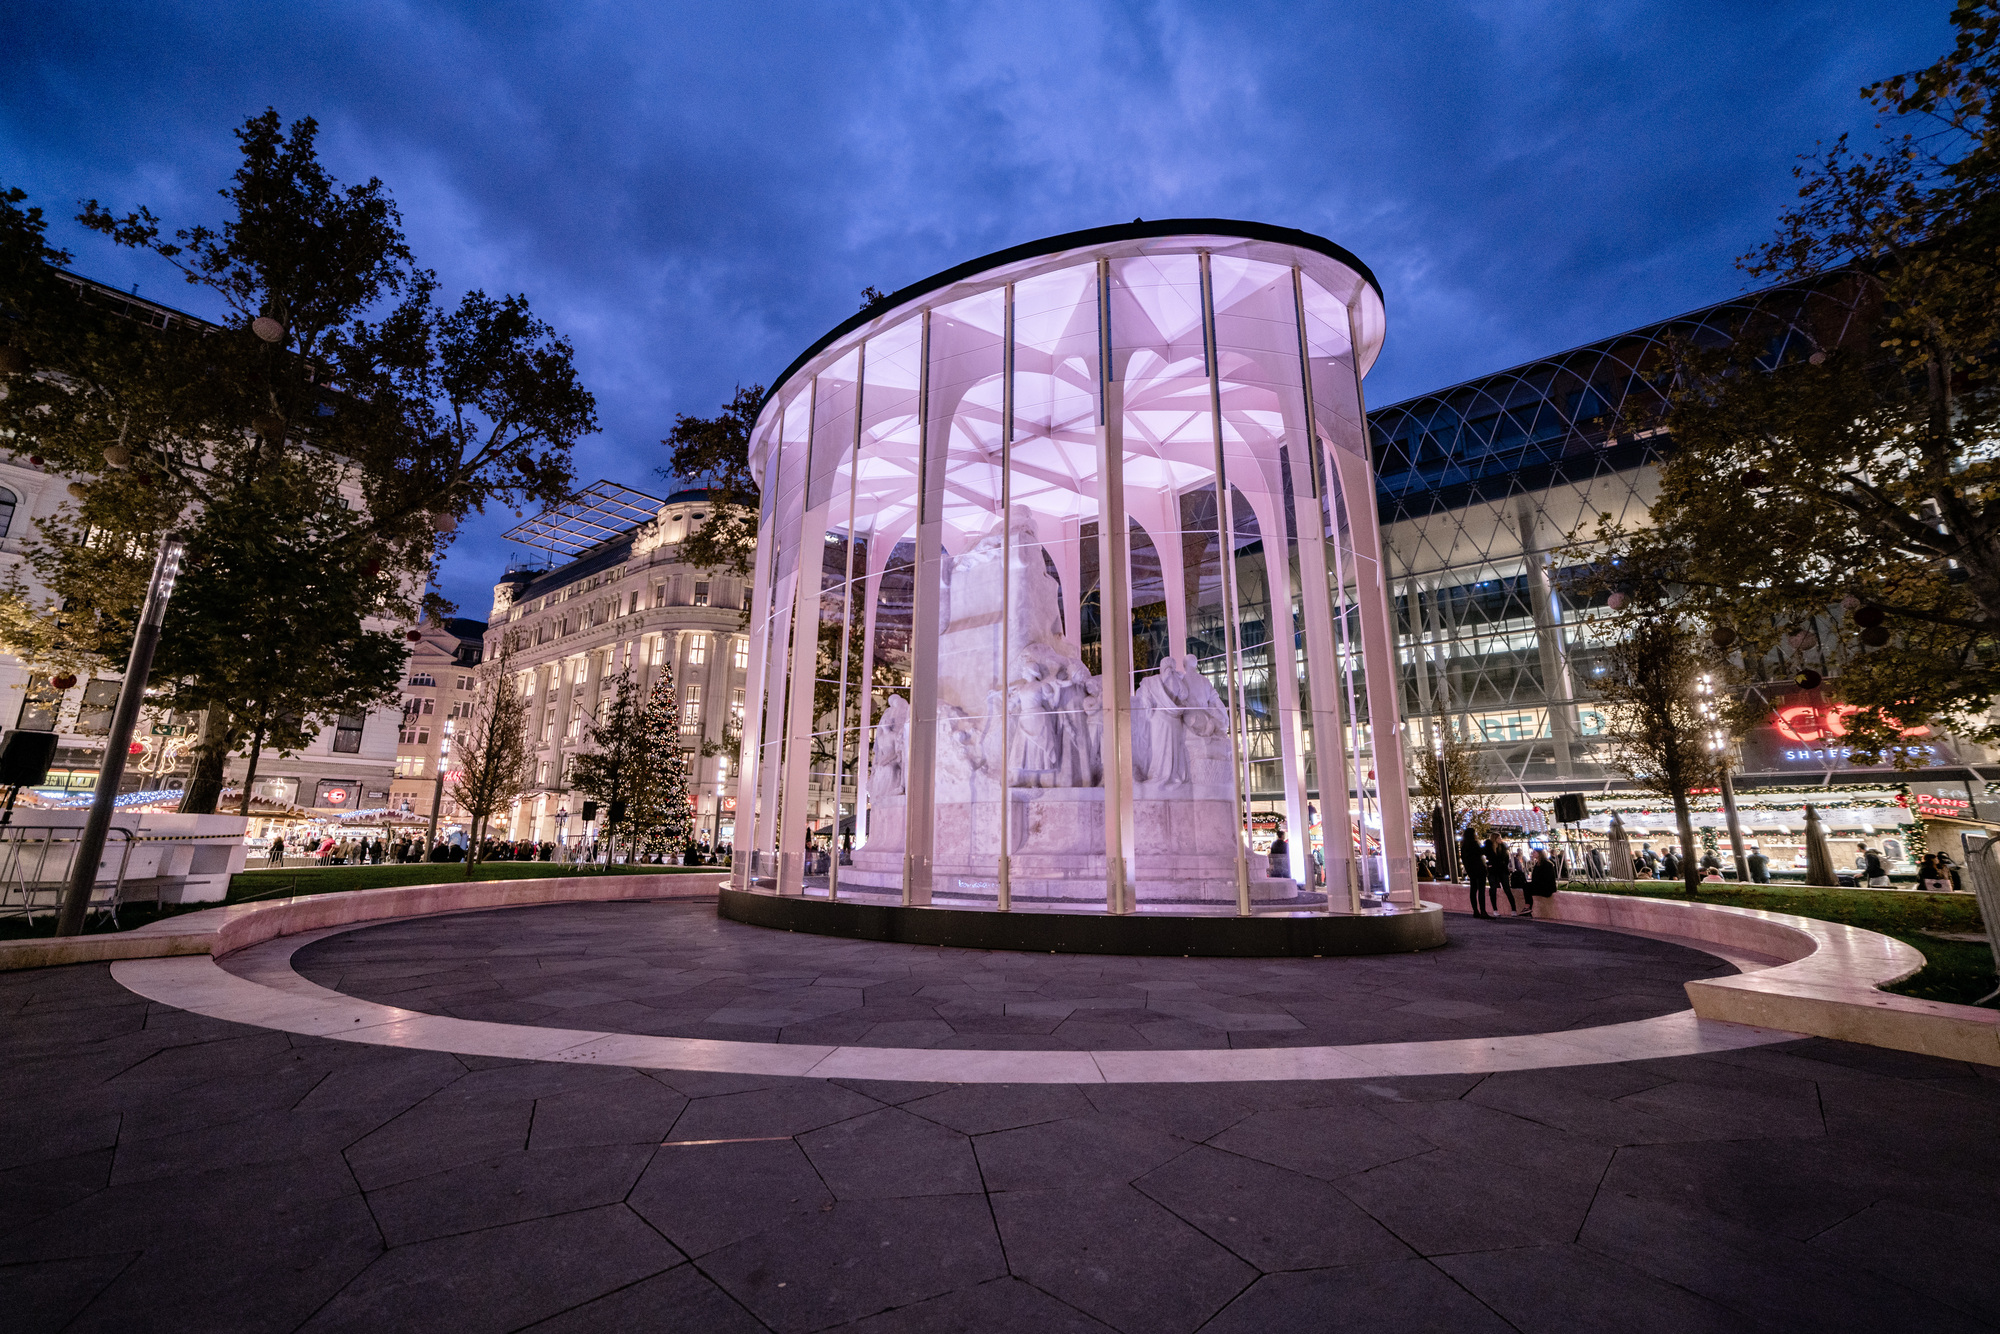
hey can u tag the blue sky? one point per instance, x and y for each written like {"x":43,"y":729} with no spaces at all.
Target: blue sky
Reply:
{"x":693,"y":193}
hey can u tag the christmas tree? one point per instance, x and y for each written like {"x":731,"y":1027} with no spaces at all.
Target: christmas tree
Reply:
{"x":663,"y":809}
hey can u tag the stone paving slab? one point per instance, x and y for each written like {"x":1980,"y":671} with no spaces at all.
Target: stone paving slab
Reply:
{"x":166,"y":1170}
{"x":676,"y":970}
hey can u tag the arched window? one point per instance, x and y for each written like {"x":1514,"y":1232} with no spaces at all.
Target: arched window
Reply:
{"x":8,"y":500}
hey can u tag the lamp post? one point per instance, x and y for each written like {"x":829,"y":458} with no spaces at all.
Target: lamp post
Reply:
{"x":90,"y":848}
{"x":437,"y":794}
{"x":1719,"y":747}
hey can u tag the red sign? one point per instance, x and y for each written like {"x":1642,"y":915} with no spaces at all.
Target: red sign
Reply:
{"x":1951,"y":808}
{"x":335,"y":796}
{"x":1822,"y":722}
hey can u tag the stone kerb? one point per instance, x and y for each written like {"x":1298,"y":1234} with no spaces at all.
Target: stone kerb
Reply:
{"x":1829,"y":986}
{"x":220,"y":931}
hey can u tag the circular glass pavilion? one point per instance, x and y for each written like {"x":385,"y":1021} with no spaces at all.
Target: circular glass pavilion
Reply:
{"x":1069,"y":591}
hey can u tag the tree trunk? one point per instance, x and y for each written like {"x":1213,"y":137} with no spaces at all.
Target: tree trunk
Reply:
{"x":1690,"y":871}
{"x":211,"y":765}
{"x":250,"y":774}
{"x":472,"y":845}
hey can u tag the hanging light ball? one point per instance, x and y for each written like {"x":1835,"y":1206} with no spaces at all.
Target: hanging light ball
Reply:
{"x":64,"y":681}
{"x":1870,"y":616}
{"x":1809,"y":679}
{"x":267,"y":329}
{"x":1817,"y":358}
{"x":13,"y":361}
{"x":1722,"y":636}
{"x":35,"y":459}
{"x":1875,"y":636}
{"x":1850,"y":603}
{"x":118,"y":456}
{"x":444,"y":523}
{"x":77,"y":490}
{"x":269,"y":425}
{"x":414,"y":636}
{"x":1617,"y":601}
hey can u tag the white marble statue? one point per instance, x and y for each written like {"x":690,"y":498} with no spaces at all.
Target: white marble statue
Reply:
{"x":891,"y":748}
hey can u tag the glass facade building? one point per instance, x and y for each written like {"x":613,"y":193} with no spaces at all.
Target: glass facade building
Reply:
{"x":1479,"y":485}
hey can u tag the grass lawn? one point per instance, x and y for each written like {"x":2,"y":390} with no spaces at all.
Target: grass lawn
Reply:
{"x":1956,"y":971}
{"x":251,"y":886}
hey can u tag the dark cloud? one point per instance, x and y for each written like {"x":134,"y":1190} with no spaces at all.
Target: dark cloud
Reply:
{"x":694,"y":192}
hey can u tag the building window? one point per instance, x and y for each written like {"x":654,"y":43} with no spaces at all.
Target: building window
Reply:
{"x":659,"y":595}
{"x":347,"y":734}
{"x":542,"y":774}
{"x":100,"y":701}
{"x":8,"y":500}
{"x":659,"y":650}
{"x":701,"y":594}
{"x":430,"y":706}
{"x":464,"y":682}
{"x":746,"y":597}
{"x":549,"y":727}
{"x":409,"y":766}
{"x":736,"y":709}
{"x":691,"y":712}
{"x":422,"y":679}
{"x":38,"y":705}
{"x":697,"y":654}
{"x":740,"y":654}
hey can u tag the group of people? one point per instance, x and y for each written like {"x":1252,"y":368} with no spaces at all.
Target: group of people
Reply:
{"x":326,"y":850}
{"x":1495,"y":869}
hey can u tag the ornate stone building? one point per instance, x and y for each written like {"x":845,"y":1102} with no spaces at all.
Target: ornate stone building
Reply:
{"x":622,"y":599}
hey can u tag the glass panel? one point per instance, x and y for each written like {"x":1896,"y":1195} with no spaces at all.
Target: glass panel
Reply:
{"x":965,"y":411}
{"x":885,"y":507}
{"x":1054,"y":699}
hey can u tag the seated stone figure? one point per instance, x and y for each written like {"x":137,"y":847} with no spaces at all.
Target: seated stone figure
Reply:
{"x":1172,"y":705}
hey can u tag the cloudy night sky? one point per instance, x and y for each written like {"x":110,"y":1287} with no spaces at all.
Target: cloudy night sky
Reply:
{"x":693,"y":193}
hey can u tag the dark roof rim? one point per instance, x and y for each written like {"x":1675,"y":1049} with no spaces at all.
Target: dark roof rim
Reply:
{"x":1089,"y":236}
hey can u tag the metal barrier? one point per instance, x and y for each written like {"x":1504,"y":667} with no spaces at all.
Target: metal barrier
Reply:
{"x":34,"y":872}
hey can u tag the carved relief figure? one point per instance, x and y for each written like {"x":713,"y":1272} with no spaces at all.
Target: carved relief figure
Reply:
{"x":892,"y":741}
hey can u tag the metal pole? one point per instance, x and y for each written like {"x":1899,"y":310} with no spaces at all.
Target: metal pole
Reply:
{"x":1735,"y":825}
{"x":83,"y":873}
{"x":437,"y":800}
{"x":1006,"y":889}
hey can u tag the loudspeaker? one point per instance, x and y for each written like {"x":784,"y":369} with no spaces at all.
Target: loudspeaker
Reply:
{"x":25,"y":757}
{"x":617,"y":812}
{"x":589,"y":811}
{"x":1570,"y":808}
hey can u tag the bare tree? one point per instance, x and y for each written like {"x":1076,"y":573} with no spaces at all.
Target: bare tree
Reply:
{"x":1450,"y":775}
{"x":1657,"y":731}
{"x":494,"y":756}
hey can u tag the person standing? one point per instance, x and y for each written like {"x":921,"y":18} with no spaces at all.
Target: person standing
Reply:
{"x":1760,"y":865}
{"x":1873,"y":869}
{"x":1497,"y":868}
{"x":1473,"y":856}
{"x":277,"y":850}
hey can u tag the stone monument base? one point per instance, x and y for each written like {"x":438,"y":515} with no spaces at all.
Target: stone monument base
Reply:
{"x":1056,"y":856}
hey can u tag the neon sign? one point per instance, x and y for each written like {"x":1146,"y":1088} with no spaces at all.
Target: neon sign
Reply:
{"x":1807,"y":723}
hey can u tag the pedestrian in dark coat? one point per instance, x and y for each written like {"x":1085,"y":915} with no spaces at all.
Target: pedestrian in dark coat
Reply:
{"x":1496,"y":873}
{"x":1474,"y":859}
{"x":1541,"y":880}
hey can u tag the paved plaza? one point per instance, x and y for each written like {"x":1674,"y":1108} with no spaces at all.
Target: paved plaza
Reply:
{"x":165,"y":1170}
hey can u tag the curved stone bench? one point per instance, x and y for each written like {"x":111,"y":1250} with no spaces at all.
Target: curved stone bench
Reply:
{"x":220,"y":931}
{"x":1828,"y":983}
